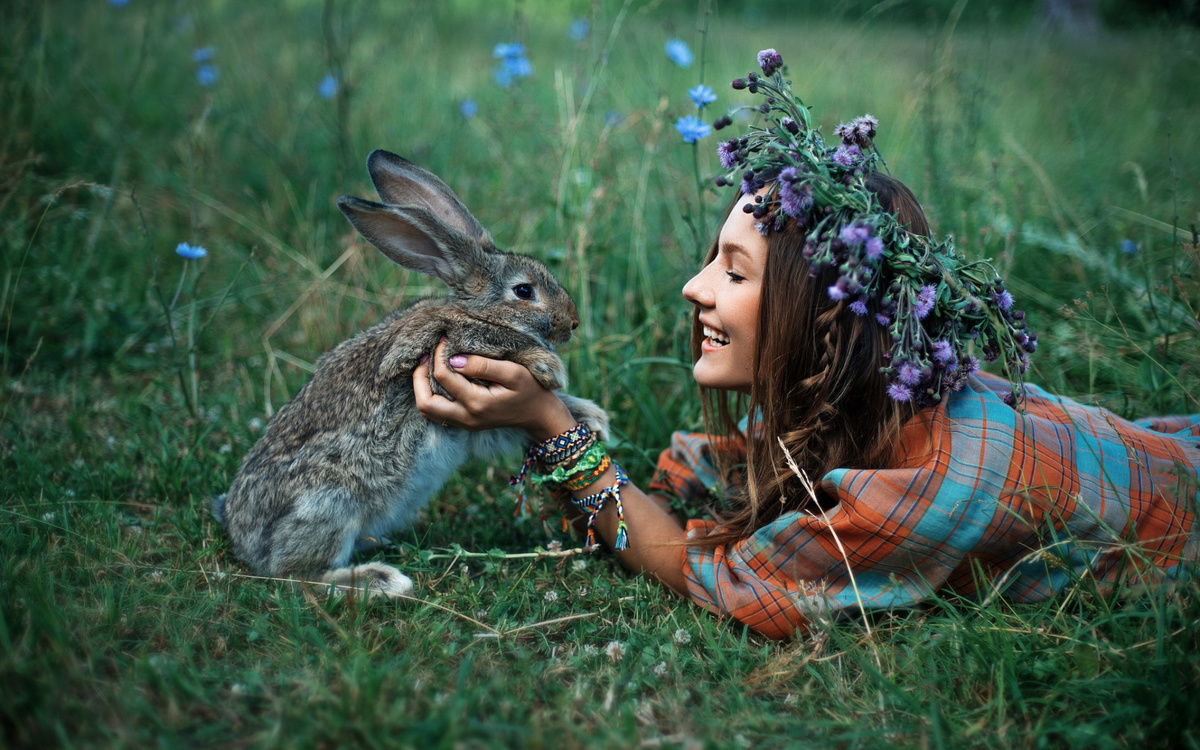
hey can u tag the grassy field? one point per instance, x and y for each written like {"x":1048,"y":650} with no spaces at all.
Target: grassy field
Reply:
{"x":134,"y":380}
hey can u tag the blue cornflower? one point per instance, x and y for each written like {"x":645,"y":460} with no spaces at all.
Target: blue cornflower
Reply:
{"x":207,"y":74}
{"x":118,"y":3}
{"x":191,"y":252}
{"x":204,"y":54}
{"x":578,"y":30}
{"x":692,"y":128}
{"x":1129,"y":247}
{"x":515,"y":49}
{"x":612,"y":118}
{"x":468,"y":108}
{"x":701,"y":95}
{"x":328,"y":87}
{"x":678,"y":53}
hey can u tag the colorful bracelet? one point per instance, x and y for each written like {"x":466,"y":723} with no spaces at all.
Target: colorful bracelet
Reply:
{"x":561,"y":474}
{"x":592,"y":504}
{"x":583,"y":481}
{"x":565,"y":445}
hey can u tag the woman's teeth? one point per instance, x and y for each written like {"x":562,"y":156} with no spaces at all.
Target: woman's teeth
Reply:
{"x":716,"y":337}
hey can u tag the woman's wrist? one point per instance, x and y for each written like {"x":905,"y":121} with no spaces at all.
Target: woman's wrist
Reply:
{"x":550,"y":417}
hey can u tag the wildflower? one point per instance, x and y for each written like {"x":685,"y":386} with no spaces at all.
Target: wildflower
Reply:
{"x":590,"y":650}
{"x":678,"y":53}
{"x":551,"y":596}
{"x":864,"y":128}
{"x":702,"y":95}
{"x":1129,"y":247}
{"x":328,"y":87}
{"x":554,"y":546}
{"x":660,"y":669}
{"x":578,"y":30}
{"x":855,"y":234}
{"x":847,"y":155}
{"x":790,"y":125}
{"x":612,"y":118}
{"x":578,"y":566}
{"x":47,"y":517}
{"x":925,"y":300}
{"x":1004,"y":300}
{"x":615,"y":650}
{"x":682,"y":636}
{"x":468,"y":108}
{"x":203,"y":54}
{"x":191,"y":252}
{"x":239,"y":688}
{"x":727,"y":152}
{"x":207,"y":74}
{"x":795,"y":200}
{"x":859,"y":306}
{"x":513,"y":64}
{"x":255,"y":424}
{"x":226,"y":448}
{"x":582,"y":591}
{"x":692,"y":128}
{"x":900,"y":392}
{"x":910,"y":374}
{"x":770,"y":61}
{"x":836,"y":292}
{"x":874,"y":247}
{"x":942,"y":351}
{"x":118,"y":3}
{"x":503,"y":51}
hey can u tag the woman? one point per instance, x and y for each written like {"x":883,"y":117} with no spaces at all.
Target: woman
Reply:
{"x":880,"y":466}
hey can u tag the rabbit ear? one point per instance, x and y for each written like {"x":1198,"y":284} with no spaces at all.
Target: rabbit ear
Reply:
{"x":399,"y":182}
{"x":414,"y":238}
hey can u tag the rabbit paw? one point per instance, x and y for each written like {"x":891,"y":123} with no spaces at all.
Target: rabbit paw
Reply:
{"x":371,"y":579}
{"x":548,"y":370}
{"x":586,"y":410}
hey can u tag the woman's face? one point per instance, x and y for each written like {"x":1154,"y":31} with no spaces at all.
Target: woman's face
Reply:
{"x":726,"y":293}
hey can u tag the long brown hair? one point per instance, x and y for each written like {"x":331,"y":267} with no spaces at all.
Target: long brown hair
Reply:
{"x":816,"y":383}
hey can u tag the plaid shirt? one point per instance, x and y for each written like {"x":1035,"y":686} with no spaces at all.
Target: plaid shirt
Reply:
{"x":981,"y":498}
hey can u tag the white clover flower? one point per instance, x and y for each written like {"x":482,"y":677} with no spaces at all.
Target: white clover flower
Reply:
{"x":551,"y":596}
{"x":590,"y":650}
{"x":682,"y":636}
{"x":480,"y":614}
{"x":660,"y":669}
{"x":239,"y":688}
{"x":554,"y":546}
{"x":156,"y":576}
{"x":255,"y":425}
{"x":578,"y":565}
{"x":615,"y":650}
{"x":582,"y":591}
{"x":70,"y":493}
{"x":77,"y":463}
{"x":227,"y":448}
{"x":48,"y":517}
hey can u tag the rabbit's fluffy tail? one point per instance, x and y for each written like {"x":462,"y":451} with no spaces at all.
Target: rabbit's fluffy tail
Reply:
{"x":218,"y":509}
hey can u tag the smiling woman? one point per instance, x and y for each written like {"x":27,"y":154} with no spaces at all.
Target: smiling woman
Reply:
{"x":877,"y":465}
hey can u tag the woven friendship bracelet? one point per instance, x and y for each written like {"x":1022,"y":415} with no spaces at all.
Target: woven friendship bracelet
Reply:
{"x":575,"y":484}
{"x":562,"y":473}
{"x":592,"y":505}
{"x":565,"y":446}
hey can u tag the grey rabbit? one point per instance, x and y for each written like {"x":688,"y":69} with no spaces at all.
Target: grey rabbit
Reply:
{"x":350,"y":457}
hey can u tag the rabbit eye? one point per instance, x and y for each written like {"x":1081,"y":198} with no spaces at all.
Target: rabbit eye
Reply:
{"x":523,"y":291}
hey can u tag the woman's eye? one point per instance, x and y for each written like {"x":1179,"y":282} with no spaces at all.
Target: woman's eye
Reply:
{"x":523,"y":291}
{"x":734,"y":277}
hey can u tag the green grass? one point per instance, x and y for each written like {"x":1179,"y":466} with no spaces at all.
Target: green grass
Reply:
{"x":125,"y":620}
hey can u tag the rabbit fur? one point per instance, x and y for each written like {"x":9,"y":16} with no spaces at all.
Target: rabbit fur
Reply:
{"x":350,"y":457}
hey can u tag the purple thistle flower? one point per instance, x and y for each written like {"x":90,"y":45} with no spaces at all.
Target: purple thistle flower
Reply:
{"x":855,"y":234}
{"x":882,"y":319}
{"x":795,"y":200}
{"x":845,"y":131}
{"x":191,"y":252}
{"x":836,"y":292}
{"x":678,"y":53}
{"x":900,"y":392}
{"x":970,"y":365}
{"x":864,"y":128}
{"x":874,"y":248}
{"x":1004,"y":300}
{"x":692,"y":128}
{"x":701,"y":95}
{"x":859,"y":306}
{"x":770,"y":61}
{"x":910,"y":374}
{"x":847,"y":155}
{"x":727,"y":152}
{"x":790,"y":125}
{"x":942,"y":351}
{"x":925,"y":301}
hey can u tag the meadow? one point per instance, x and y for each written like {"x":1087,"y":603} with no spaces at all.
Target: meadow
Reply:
{"x":135,"y":379}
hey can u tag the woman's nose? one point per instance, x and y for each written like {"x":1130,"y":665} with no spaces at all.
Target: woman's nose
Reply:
{"x":697,"y":290}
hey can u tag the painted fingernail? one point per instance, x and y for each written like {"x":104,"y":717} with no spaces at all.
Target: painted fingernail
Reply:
{"x":424,"y":359}
{"x":458,"y":361}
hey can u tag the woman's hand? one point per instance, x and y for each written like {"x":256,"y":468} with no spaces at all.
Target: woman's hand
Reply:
{"x":509,"y":397}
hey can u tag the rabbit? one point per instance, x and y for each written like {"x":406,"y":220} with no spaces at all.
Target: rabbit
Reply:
{"x":350,"y":457}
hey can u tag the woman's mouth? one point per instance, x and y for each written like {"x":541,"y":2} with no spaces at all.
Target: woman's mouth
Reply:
{"x":714,"y":337}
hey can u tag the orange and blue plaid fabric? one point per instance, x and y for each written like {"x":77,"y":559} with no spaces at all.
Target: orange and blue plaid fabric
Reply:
{"x":982,"y":498}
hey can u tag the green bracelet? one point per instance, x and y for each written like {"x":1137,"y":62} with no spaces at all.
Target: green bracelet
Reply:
{"x":588,"y":461}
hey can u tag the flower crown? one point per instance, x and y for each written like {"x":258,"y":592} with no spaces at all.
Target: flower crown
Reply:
{"x":937,"y":306}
